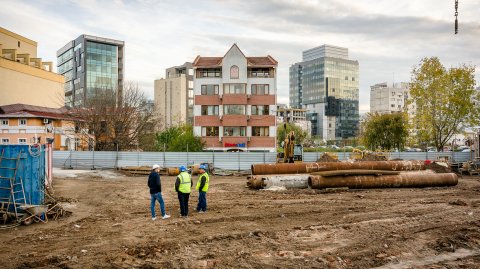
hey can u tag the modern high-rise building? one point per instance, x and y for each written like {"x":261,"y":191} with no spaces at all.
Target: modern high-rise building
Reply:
{"x":173,"y":96}
{"x":90,"y":65}
{"x":388,"y":99}
{"x":326,"y":85}
{"x":235,"y":101}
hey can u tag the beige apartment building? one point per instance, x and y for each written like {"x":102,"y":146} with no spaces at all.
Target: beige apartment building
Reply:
{"x":25,"y":78}
{"x":386,"y":98}
{"x":173,"y":97}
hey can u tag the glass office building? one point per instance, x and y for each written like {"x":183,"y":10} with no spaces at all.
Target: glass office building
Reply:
{"x":326,"y":85}
{"x":90,"y":65}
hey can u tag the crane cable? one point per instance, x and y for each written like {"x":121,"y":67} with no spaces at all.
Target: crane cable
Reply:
{"x":456,"y":16}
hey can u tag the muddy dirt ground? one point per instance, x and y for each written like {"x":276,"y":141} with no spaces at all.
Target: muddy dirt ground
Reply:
{"x":111,"y":227}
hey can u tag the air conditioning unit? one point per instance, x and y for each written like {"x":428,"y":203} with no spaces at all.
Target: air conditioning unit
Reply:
{"x":248,"y":117}
{"x":248,"y":96}
{"x":219,"y":139}
{"x":221,"y":117}
{"x":248,"y":139}
{"x":221,"y":96}
{"x":46,"y":121}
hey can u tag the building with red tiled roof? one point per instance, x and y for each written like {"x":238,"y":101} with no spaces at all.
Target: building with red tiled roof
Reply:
{"x":235,"y":101}
{"x":28,"y":124}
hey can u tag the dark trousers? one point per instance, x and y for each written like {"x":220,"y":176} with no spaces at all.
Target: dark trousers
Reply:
{"x":202,"y":201}
{"x":183,"y":199}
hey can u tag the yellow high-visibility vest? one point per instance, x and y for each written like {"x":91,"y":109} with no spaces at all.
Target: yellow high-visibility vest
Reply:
{"x":205,"y":187}
{"x":185,"y":182}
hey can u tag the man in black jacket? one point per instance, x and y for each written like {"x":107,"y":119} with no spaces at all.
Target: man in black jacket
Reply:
{"x":156,"y":192}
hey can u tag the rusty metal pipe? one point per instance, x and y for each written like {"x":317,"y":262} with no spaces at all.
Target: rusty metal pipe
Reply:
{"x":298,"y":181}
{"x":359,"y":172}
{"x":301,"y":168}
{"x":402,"y":180}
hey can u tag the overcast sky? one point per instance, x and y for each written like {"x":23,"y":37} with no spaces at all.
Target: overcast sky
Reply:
{"x":387,"y":37}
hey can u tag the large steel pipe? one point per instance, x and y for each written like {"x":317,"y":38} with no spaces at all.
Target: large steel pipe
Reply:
{"x":299,"y":181}
{"x":301,"y":168}
{"x":402,"y":180}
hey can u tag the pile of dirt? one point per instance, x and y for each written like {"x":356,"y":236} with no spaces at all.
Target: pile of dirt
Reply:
{"x":328,"y":158}
{"x":438,"y":168}
{"x":373,"y":157}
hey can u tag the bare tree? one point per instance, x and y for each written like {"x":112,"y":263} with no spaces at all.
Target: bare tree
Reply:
{"x":117,"y":119}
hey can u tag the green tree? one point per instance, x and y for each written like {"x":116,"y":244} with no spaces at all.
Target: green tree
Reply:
{"x":386,"y":131}
{"x":444,"y":100}
{"x":179,"y":139}
{"x":300,"y":134}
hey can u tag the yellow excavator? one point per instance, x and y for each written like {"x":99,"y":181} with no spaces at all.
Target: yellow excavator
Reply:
{"x":292,"y":153}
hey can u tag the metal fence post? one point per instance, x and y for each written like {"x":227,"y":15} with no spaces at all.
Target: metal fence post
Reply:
{"x":187,"y":156}
{"x":164,"y":156}
{"x":238,"y":161}
{"x":93,"y":159}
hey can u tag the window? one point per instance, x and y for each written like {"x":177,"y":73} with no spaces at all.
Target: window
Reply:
{"x":4,"y":122}
{"x":5,"y":140}
{"x":190,"y":84}
{"x":22,"y":141}
{"x":209,"y":110}
{"x":260,"y":110}
{"x":260,"y":131}
{"x":210,"y":131}
{"x":346,"y":77}
{"x":234,"y":109}
{"x":259,"y":72}
{"x":234,"y":131}
{"x":260,"y":89}
{"x":209,"y":89}
{"x":209,"y":73}
{"x":234,"y":72}
{"x":234,"y":88}
{"x":353,"y":78}
{"x":19,"y":44}
{"x":22,"y":122}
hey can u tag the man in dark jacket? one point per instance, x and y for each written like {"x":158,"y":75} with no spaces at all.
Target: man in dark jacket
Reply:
{"x":156,"y":192}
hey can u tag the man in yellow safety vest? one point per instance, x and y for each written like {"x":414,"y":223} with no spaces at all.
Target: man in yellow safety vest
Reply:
{"x":202,"y":187}
{"x":183,"y":186}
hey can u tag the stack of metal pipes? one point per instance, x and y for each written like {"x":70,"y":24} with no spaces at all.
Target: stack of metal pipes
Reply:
{"x":353,"y":175}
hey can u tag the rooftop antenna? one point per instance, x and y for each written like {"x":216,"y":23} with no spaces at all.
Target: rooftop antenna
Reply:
{"x":456,"y":16}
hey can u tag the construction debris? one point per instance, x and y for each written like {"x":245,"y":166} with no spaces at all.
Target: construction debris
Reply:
{"x":328,"y":157}
{"x":416,"y":179}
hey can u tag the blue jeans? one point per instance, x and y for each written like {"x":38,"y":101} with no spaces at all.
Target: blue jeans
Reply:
{"x":202,"y":201}
{"x":157,"y":197}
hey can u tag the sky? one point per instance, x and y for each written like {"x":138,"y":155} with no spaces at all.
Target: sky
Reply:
{"x":387,"y":37}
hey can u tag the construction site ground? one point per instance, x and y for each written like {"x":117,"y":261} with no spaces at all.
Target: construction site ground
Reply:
{"x":111,"y":227}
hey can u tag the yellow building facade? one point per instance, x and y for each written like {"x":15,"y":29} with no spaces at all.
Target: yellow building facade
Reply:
{"x":25,"y":78}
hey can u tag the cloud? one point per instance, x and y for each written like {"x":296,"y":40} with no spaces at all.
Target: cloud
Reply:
{"x":387,"y":37}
